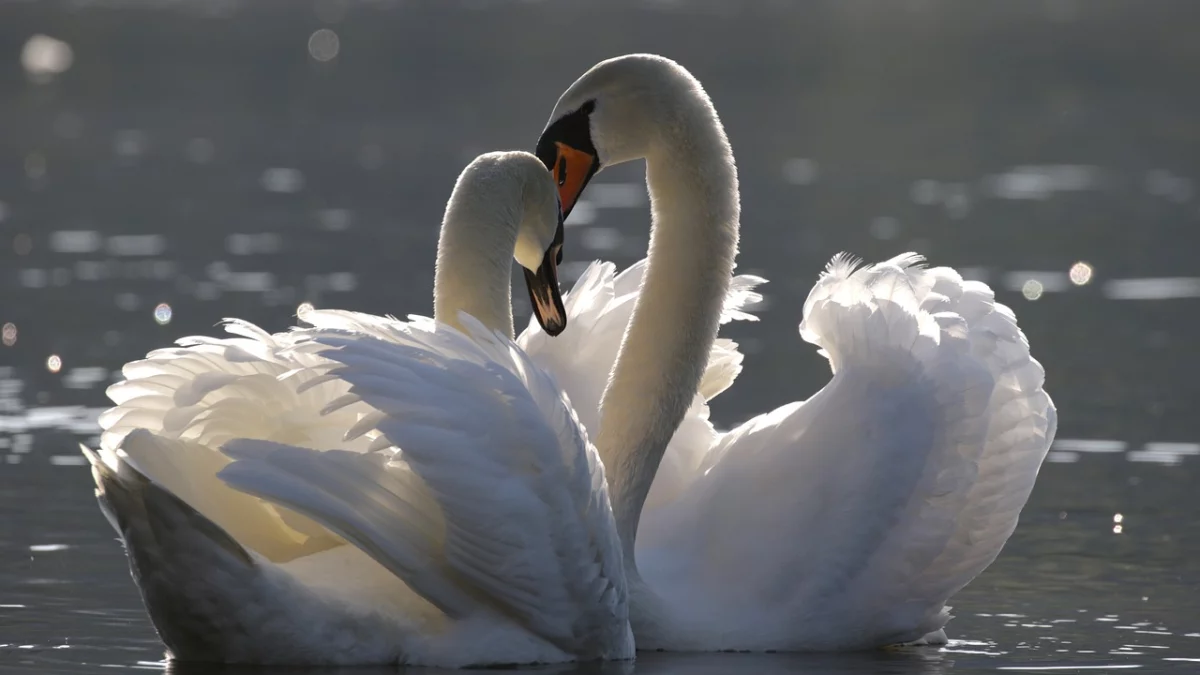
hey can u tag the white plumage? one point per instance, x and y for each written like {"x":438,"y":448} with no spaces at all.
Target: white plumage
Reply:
{"x":425,"y":492}
{"x":495,"y":504}
{"x":487,"y":540}
{"x":843,"y":521}
{"x":599,"y":308}
{"x":849,"y":519}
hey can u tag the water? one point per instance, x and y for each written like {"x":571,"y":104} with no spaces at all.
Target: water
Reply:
{"x":164,"y":165}
{"x":1066,"y":591}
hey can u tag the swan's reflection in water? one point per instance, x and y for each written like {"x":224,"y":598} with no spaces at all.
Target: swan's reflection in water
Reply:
{"x":908,"y":661}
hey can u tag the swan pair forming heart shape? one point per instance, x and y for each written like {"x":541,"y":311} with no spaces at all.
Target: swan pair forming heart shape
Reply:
{"x":365,"y":490}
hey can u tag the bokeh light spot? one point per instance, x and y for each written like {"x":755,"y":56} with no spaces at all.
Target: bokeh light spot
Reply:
{"x":162,"y":314}
{"x":1032,"y":289}
{"x":8,"y":334}
{"x":324,"y":45}
{"x":1080,"y":273}
{"x":54,"y":363}
{"x":43,"y":57}
{"x":35,"y":165}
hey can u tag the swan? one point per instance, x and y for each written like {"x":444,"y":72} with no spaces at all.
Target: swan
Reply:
{"x":843,"y":521}
{"x":488,"y":540}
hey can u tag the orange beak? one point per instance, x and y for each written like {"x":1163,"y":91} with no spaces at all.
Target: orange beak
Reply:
{"x":572,"y":171}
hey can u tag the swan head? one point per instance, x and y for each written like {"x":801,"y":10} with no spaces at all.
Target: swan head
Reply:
{"x":497,"y":193}
{"x":617,"y":111}
{"x":538,"y":249}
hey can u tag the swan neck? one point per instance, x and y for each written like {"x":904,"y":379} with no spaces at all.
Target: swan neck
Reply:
{"x":474,"y":261}
{"x":692,"y":180}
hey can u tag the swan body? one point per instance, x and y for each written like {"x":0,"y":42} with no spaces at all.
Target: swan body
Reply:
{"x":849,"y":519}
{"x":843,"y":521}
{"x":488,"y":539}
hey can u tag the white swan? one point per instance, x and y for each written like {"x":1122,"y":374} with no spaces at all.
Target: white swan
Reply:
{"x":488,"y":540}
{"x":843,"y":521}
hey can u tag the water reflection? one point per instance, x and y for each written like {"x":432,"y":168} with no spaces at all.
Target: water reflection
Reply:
{"x":912,"y":661}
{"x":917,"y":662}
{"x":1070,"y":590}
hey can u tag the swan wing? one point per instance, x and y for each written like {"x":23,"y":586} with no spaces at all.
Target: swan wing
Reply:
{"x":163,"y":534}
{"x":599,"y":308}
{"x":205,"y":391}
{"x":849,"y":519}
{"x":305,"y":596}
{"x":210,"y":598}
{"x":481,"y":488}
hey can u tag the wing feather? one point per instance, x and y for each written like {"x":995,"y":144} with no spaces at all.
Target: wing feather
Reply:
{"x":491,"y":460}
{"x":599,"y":308}
{"x":849,"y":519}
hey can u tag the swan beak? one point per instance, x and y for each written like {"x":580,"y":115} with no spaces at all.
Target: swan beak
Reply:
{"x":544,"y":294}
{"x":543,"y":286}
{"x":572,"y":170}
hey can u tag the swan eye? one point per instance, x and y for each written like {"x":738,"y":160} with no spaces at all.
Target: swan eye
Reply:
{"x":562,"y":171}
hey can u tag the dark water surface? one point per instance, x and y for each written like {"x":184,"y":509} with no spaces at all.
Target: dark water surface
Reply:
{"x":167,"y":164}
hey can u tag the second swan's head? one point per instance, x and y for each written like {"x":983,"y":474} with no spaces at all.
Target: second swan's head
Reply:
{"x":516,"y":187}
{"x":617,"y":111}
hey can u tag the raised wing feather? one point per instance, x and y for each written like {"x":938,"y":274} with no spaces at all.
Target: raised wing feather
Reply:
{"x":849,"y":519}
{"x":205,"y":391}
{"x":488,"y":480}
{"x":599,"y":308}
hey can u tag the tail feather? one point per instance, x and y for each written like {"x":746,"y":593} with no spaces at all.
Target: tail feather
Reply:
{"x":172,"y":550}
{"x":211,"y":599}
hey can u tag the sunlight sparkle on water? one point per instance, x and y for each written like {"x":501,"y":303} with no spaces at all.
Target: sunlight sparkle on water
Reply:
{"x":162,"y":314}
{"x":1032,"y":289}
{"x":130,"y":143}
{"x":324,"y":44}
{"x":22,"y":244}
{"x":54,"y":363}
{"x":800,"y":171}
{"x":1108,"y":666}
{"x":1153,"y":288}
{"x":43,"y":57}
{"x":601,"y":238}
{"x":8,"y":334}
{"x":48,"y":548}
{"x":1080,"y":273}
{"x":35,"y":165}
{"x":282,"y":180}
{"x":200,"y":150}
{"x":76,"y":242}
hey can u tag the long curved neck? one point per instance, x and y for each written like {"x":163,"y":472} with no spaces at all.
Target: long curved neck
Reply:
{"x":694,"y":204}
{"x":474,"y":263}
